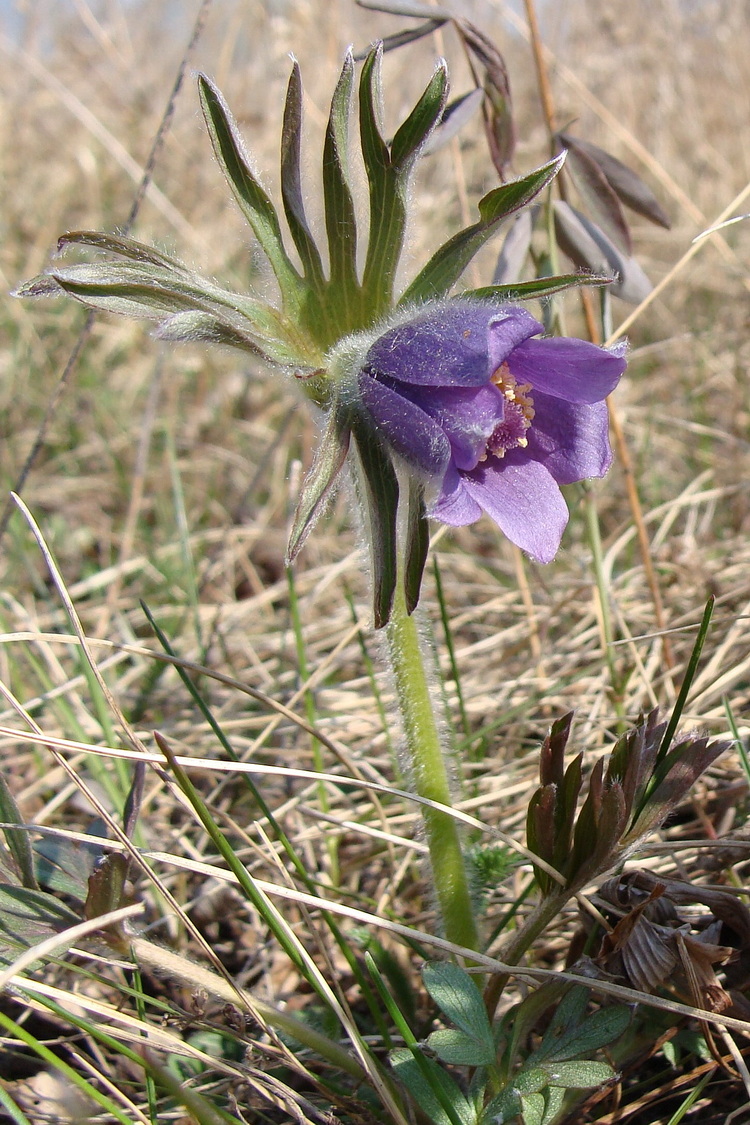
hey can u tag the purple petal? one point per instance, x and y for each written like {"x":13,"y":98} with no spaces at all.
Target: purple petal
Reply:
{"x":468,"y":416}
{"x":566,"y":368}
{"x":571,"y":440}
{"x":460,"y":343}
{"x":454,"y":505}
{"x":411,"y":432}
{"x":521,"y":496}
{"x":508,"y":329}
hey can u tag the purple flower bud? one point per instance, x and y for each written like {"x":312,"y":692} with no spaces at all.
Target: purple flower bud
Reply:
{"x":495,"y":419}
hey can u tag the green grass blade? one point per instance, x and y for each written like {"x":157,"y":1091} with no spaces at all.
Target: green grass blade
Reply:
{"x":311,"y":716}
{"x":141,"y":1002}
{"x":339,"y":937}
{"x":13,"y":1111}
{"x":447,"y":633}
{"x":426,"y":1070}
{"x":259,"y":900}
{"x":377,"y":695}
{"x":189,"y":575}
{"x":739,"y":741}
{"x":687,"y":682}
{"x":88,"y":1089}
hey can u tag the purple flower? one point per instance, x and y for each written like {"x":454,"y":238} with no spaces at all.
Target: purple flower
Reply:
{"x":494,"y":418}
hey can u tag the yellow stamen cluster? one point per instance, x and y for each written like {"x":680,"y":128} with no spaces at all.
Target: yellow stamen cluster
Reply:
{"x":519,"y":413}
{"x":517,"y":393}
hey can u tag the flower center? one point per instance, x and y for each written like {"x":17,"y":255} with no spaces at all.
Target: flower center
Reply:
{"x":519,"y":412}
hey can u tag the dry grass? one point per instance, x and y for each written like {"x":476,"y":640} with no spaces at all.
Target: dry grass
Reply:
{"x":168,"y":476}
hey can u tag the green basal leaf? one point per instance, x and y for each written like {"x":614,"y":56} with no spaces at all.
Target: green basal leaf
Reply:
{"x":291,"y":183}
{"x":532,"y":1109}
{"x":17,"y":839}
{"x":531,"y":1080}
{"x":28,"y":917}
{"x":540,"y":287}
{"x":340,"y":216}
{"x":381,"y":497}
{"x":254,"y":202}
{"x":455,"y":991}
{"x":504,"y":1107}
{"x":568,"y":1016}
{"x":321,"y":480}
{"x":417,"y":544}
{"x":65,"y":866}
{"x":448,"y":263}
{"x":433,"y":1089}
{"x":459,"y":1049}
{"x":569,"y":1034}
{"x":553,"y":1102}
{"x":580,"y":1074}
{"x":599,"y":1030}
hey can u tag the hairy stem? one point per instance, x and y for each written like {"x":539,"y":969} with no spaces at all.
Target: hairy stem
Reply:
{"x":430,"y":775}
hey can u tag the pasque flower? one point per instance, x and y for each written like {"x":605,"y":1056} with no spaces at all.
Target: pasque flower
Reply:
{"x":484,"y":416}
{"x":495,"y":418}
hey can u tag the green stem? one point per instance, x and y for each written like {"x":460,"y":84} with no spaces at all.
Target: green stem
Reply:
{"x":545,"y":911}
{"x":430,"y":775}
